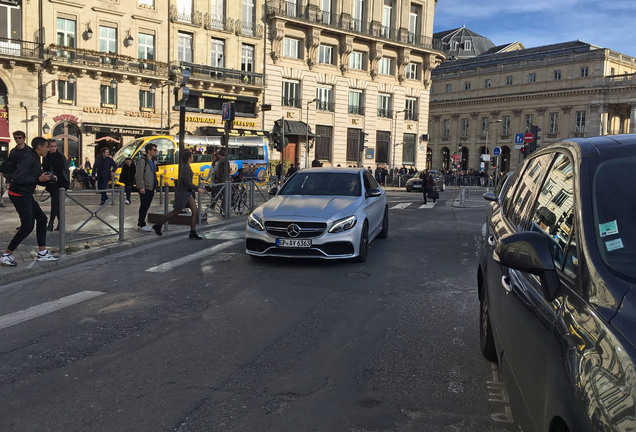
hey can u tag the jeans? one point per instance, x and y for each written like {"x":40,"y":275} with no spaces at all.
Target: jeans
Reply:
{"x":128,"y":189}
{"x":55,"y":205}
{"x":102,"y":183}
{"x":145,"y":200}
{"x":29,"y":211}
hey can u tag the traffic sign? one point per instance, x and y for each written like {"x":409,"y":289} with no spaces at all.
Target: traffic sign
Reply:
{"x":519,"y":138}
{"x":528,"y":137}
{"x":457,"y":157}
{"x":496,"y":151}
{"x":227,"y":111}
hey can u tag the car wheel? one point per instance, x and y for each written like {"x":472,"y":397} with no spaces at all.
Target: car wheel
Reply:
{"x":486,"y":340}
{"x":363,"y":249}
{"x":385,"y":224}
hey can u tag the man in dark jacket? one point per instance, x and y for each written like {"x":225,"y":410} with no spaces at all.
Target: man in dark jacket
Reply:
{"x":104,"y":170}
{"x":127,"y":177}
{"x":56,"y":163}
{"x":27,"y":175}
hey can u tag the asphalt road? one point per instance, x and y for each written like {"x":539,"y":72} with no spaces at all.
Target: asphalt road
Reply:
{"x":183,"y":336}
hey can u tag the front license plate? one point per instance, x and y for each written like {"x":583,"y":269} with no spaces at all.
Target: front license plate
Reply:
{"x":293,"y":243}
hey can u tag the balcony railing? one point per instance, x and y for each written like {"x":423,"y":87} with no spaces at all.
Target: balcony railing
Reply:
{"x":290,"y":102}
{"x":216,"y":23}
{"x":356,"y":109}
{"x":408,"y":115}
{"x":103,"y":60}
{"x":347,"y":23}
{"x":20,"y":48}
{"x":211,"y":73}
{"x":382,"y":112}
{"x":324,"y":106}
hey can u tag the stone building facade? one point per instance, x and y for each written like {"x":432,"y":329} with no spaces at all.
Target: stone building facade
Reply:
{"x":571,"y":89}
{"x":96,"y":73}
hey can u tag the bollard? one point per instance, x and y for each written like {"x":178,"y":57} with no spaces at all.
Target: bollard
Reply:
{"x":227,"y":201}
{"x":165,"y":206}
{"x":161,"y":189}
{"x":468,"y":192}
{"x":121,"y":213}
{"x":252,"y":196}
{"x":199,"y":216}
{"x":462,"y":195}
{"x":62,"y":220}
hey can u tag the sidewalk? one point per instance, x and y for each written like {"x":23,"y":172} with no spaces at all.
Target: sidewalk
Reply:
{"x":93,"y":241}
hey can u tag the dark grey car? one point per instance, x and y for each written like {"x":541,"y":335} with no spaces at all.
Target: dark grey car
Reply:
{"x":556,"y":283}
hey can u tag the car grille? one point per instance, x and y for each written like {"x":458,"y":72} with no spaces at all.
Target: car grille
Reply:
{"x":307,"y":229}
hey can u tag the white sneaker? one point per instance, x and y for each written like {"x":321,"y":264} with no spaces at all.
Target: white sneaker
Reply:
{"x":127,"y":202}
{"x":144,"y":228}
{"x":8,"y":260}
{"x":47,"y":256}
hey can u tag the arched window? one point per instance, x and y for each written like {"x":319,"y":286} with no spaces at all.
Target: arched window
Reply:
{"x":69,"y":142}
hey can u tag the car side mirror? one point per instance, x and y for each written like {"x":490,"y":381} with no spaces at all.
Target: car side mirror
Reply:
{"x":530,"y":252}
{"x":490,"y":196}
{"x":273,"y":191}
{"x":374,"y":192}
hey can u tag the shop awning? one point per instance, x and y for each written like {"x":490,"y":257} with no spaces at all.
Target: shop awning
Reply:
{"x":219,"y":131}
{"x":295,"y":128}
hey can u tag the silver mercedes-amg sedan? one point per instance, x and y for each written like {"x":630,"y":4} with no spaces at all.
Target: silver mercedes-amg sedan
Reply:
{"x":328,"y":213}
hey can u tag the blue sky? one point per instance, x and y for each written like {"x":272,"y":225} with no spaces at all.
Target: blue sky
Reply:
{"x":608,"y":24}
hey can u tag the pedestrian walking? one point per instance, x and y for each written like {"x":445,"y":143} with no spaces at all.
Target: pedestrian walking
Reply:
{"x":146,"y":180}
{"x":183,"y":197}
{"x":104,"y":170}
{"x":27,"y":175}
{"x":127,"y":177}
{"x":56,"y":163}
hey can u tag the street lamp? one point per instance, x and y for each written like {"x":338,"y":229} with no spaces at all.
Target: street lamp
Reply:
{"x":26,"y":121}
{"x":153,"y":88}
{"x":395,"y":140}
{"x":307,"y":130}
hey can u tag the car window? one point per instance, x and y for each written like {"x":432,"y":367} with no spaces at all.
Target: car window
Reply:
{"x":369,"y":181}
{"x":522,"y":199}
{"x":323,"y":183}
{"x":614,"y":207}
{"x":553,"y":214}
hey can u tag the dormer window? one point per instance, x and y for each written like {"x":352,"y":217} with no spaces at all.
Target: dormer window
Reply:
{"x":468,"y":45}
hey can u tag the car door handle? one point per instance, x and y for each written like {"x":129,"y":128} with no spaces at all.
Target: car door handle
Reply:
{"x":505,"y":281}
{"x":491,"y":240}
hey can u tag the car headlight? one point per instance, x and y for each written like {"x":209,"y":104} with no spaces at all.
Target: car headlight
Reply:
{"x":343,"y":224}
{"x":255,"y":223}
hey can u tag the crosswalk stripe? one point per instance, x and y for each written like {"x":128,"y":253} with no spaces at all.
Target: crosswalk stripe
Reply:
{"x":401,"y":205}
{"x":161,"y":268}
{"x":46,"y":308}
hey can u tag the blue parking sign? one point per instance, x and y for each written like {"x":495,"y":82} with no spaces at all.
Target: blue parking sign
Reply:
{"x":519,"y":138}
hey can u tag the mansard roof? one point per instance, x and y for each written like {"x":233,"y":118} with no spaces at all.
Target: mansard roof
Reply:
{"x":463,"y":43}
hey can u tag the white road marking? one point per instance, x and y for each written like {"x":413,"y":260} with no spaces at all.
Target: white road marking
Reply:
{"x":427,"y":206}
{"x":46,"y":308}
{"x":161,"y":268}
{"x":401,"y":205}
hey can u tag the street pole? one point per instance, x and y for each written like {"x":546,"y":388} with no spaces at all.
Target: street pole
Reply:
{"x":395,"y":142}
{"x":307,"y":131}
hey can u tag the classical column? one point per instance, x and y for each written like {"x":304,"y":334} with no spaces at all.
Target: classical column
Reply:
{"x":604,"y":120}
{"x":632,"y":118}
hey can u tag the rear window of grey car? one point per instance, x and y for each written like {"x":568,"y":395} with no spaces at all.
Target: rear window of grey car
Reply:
{"x":614,"y":207}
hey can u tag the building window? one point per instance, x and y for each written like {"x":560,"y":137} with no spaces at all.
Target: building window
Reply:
{"x":217,"y":14}
{"x":292,"y":8}
{"x":107,"y":39}
{"x":184,"y":10}
{"x":528,"y":121}
{"x":291,"y":93}
{"x":146,"y":100}
{"x":323,"y":142}
{"x":247,"y":26}
{"x":356,"y":102}
{"x":554,"y":123}
{"x":410,"y":107}
{"x":382,"y":144}
{"x":557,"y":74}
{"x":385,"y":66}
{"x":612,"y":71}
{"x":359,"y":9}
{"x":387,"y":18}
{"x":247,"y":62}
{"x":412,"y":71}
{"x":353,"y":145}
{"x":147,"y":3}
{"x":449,"y":87}
{"x":505,"y":125}
{"x":532,"y":77}
{"x":465,"y":127}
{"x":487,"y":83}
{"x":184,"y":47}
{"x":65,"y":91}
{"x":445,"y":128}
{"x":468,"y":45}
{"x":484,"y":127}
{"x":584,"y":72}
{"x":408,"y":148}
{"x":107,"y":96}
{"x":217,"y":52}
{"x":324,"y":93}
{"x":580,"y":122}
{"x":356,"y":60}
{"x":326,"y":11}
{"x":414,"y":22}
{"x":467,"y":85}
{"x":291,"y":48}
{"x":509,"y":80}
{"x":146,"y":46}
{"x":66,"y":30}
{"x":384,"y":105}
{"x":325,"y":54}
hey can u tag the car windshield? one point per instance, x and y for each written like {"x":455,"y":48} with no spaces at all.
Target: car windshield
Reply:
{"x":614,"y":199}
{"x":126,"y":151}
{"x":323,"y":183}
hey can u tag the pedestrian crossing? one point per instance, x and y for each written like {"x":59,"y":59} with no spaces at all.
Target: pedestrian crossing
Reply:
{"x":411,"y":205}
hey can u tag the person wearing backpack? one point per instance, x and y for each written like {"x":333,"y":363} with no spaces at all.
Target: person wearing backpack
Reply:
{"x":146,"y":179}
{"x":27,"y":175}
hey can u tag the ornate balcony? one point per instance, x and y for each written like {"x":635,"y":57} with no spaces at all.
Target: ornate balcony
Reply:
{"x":218,"y":75}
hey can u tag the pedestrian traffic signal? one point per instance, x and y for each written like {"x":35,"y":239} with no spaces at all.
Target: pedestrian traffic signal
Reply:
{"x":279,"y":142}
{"x":524,"y":151}
{"x":534,"y":144}
{"x":363,"y":139}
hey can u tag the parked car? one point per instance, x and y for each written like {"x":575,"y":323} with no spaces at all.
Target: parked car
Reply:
{"x":320,"y":213}
{"x":415,"y":184}
{"x":556,"y":281}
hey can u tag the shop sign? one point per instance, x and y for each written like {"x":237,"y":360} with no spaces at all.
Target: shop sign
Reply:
{"x":210,"y":120}
{"x":66,"y":117}
{"x":139,"y":114}
{"x":99,"y":110}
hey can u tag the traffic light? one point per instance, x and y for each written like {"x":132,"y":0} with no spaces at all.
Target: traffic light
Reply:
{"x":279,"y":142}
{"x":363,"y":139}
{"x":534,"y":144}
{"x":524,"y":151}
